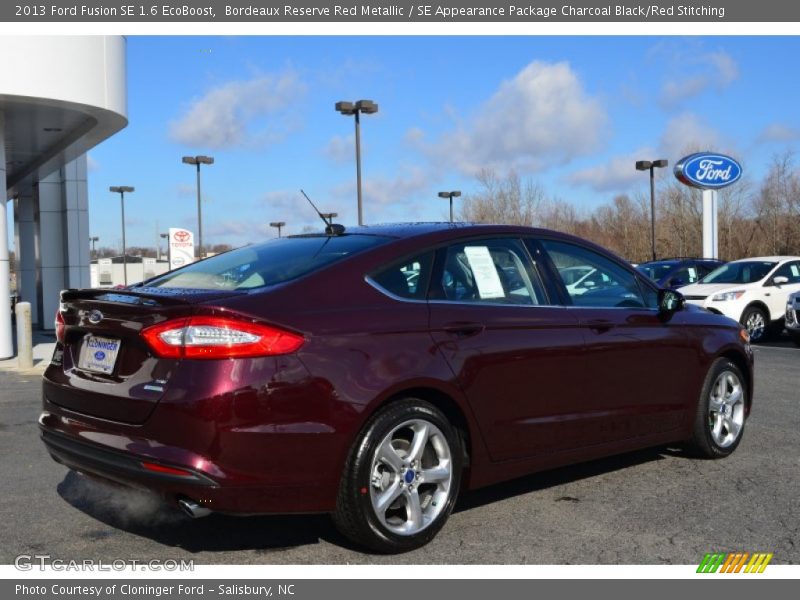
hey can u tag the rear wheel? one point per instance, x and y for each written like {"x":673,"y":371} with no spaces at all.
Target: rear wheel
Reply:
{"x":720,"y":416}
{"x":756,"y":322}
{"x":401,"y":480}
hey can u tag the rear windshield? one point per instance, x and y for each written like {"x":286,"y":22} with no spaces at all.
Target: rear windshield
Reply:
{"x":269,"y":263}
{"x":656,"y":271}
{"x":739,"y":272}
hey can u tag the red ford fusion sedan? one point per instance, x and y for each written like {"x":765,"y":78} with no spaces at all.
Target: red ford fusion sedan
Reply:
{"x":375,"y":372}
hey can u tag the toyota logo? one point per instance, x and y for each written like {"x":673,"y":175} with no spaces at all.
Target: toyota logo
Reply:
{"x":95,"y":317}
{"x":181,"y":236}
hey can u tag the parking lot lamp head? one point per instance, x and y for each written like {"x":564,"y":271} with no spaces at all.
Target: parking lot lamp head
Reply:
{"x":367,"y":107}
{"x":651,"y":165}
{"x":279,"y":225}
{"x":197,"y":161}
{"x":450,"y":195}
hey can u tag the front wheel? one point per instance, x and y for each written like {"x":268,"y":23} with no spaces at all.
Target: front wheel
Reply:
{"x":756,"y":322}
{"x":401,"y":480}
{"x":721,"y":409}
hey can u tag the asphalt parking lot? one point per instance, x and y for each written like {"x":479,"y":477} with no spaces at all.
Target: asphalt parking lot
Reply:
{"x":650,"y":507}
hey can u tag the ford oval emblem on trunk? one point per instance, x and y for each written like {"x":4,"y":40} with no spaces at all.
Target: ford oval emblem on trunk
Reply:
{"x":708,"y":171}
{"x":95,"y":317}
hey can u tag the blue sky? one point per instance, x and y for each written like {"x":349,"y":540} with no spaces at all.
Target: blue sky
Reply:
{"x":572,"y":113}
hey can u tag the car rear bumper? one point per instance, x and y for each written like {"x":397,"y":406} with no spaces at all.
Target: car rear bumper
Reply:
{"x":180,"y":474}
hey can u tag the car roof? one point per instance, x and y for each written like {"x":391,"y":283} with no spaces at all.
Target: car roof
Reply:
{"x":767,"y":259}
{"x":408,"y":230}
{"x":677,"y":261}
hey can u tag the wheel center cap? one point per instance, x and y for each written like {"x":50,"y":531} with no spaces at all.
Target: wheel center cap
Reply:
{"x":409,"y":476}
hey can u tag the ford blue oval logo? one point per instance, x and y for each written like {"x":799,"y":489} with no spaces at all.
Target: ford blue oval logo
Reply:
{"x":99,"y":355}
{"x":708,"y":171}
{"x":95,"y":317}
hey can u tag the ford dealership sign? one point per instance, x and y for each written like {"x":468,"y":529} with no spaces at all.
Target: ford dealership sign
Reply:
{"x":708,"y":171}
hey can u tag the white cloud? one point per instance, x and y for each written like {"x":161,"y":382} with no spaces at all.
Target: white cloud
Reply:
{"x":682,"y":134}
{"x":386,"y":198}
{"x":617,"y":175}
{"x":91,"y":164}
{"x":184,"y":190}
{"x":413,"y":136}
{"x":233,"y":114}
{"x":685,"y":133}
{"x":543,"y":116}
{"x":340,"y":149}
{"x":779,"y":132}
{"x":698,"y":73}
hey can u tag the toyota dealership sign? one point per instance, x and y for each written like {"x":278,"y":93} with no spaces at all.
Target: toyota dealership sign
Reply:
{"x":181,"y":247}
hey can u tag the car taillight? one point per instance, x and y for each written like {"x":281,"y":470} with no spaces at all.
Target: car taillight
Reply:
{"x":218,"y":337}
{"x":60,"y":326}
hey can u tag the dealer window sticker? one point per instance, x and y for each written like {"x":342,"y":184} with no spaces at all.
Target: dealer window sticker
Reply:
{"x":486,"y":277}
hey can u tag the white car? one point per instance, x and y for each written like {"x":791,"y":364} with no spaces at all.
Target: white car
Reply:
{"x":793,"y":317}
{"x":752,"y":291}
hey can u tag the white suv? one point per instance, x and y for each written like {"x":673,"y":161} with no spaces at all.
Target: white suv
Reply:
{"x":793,"y":317}
{"x":752,"y":291}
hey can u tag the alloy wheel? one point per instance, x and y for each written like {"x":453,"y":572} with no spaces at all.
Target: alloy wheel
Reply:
{"x":726,"y":409}
{"x":411,"y":477}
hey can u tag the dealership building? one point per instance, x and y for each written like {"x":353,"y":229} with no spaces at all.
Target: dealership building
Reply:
{"x":59,"y":97}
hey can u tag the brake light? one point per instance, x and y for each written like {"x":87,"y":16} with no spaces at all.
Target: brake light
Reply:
{"x":60,"y":326}
{"x":218,"y":337}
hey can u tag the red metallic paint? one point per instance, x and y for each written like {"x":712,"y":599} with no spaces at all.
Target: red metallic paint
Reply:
{"x":533,"y":387}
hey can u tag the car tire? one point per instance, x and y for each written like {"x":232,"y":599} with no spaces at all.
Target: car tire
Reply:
{"x":721,"y":411}
{"x":401,"y":479}
{"x":756,"y":321}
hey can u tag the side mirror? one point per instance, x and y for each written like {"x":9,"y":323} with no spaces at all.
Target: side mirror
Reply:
{"x":670,"y":301}
{"x":780,"y":280}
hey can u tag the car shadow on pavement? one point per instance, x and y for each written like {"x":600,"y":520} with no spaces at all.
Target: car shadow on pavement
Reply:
{"x":145,"y":514}
{"x":560,"y":476}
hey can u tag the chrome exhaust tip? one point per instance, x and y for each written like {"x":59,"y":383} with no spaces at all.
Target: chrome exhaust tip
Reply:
{"x":193,"y":509}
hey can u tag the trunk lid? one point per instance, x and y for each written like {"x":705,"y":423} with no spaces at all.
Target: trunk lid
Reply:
{"x":106,"y":369}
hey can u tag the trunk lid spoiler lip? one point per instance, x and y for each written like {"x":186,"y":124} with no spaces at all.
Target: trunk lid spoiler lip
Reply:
{"x":149,"y":296}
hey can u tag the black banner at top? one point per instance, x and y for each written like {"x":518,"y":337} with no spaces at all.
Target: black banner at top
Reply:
{"x":422,"y":11}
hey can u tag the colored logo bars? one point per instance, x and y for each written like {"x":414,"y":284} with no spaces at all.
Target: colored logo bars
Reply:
{"x":735,"y":562}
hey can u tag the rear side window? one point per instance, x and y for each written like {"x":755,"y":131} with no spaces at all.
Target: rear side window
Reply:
{"x":489,"y":271}
{"x":407,"y":278}
{"x":269,"y":263}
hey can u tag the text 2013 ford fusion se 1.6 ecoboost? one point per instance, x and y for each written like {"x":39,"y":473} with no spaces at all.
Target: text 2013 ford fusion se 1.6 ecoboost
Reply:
{"x":375,"y":372}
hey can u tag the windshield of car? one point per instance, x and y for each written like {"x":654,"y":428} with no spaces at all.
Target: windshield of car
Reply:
{"x":571,"y":275}
{"x":739,"y":272}
{"x":657,"y":270}
{"x":269,"y":263}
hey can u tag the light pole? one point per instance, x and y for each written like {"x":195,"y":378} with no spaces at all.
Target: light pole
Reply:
{"x":199,"y":160}
{"x":644,"y":165}
{"x":367,"y":107}
{"x":121,"y":189}
{"x":94,"y":239}
{"x":451,"y":195}
{"x":165,"y":236}
{"x":278,"y":224}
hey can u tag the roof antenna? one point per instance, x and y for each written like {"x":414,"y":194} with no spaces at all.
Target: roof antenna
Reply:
{"x":331,"y":228}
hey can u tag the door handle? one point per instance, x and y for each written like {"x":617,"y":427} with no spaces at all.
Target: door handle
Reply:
{"x":599,"y":325}
{"x":463,"y":328}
